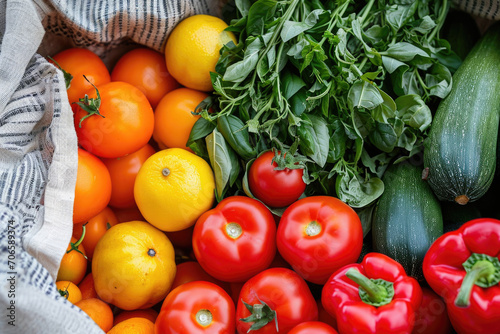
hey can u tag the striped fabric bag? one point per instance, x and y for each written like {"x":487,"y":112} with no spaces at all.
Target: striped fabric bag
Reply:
{"x":38,"y":146}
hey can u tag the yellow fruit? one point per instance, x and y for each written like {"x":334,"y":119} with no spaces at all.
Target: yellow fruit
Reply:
{"x":69,"y":290}
{"x":173,"y":188}
{"x":134,"y":326}
{"x":192,"y":50}
{"x":133,"y":265}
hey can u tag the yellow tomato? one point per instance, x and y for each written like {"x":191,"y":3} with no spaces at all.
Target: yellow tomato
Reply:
{"x":133,"y":265}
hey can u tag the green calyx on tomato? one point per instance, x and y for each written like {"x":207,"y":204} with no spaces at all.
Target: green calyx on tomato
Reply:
{"x":376,"y":292}
{"x":260,"y":314}
{"x":90,"y":105}
{"x":67,"y":76}
{"x":482,"y":270}
{"x":74,"y":245}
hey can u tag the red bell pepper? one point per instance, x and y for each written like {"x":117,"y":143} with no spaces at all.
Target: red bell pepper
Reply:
{"x":463,"y":267}
{"x":374,"y":296}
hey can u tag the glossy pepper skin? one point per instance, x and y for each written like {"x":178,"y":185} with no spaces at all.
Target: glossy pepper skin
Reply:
{"x":463,"y":267}
{"x":388,"y":307}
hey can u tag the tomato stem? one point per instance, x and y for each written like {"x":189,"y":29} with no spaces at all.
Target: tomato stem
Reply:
{"x":74,"y":246}
{"x":90,"y":105}
{"x":67,"y":76}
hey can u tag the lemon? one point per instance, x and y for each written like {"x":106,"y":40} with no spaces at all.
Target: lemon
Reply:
{"x":173,"y":188}
{"x":192,"y":50}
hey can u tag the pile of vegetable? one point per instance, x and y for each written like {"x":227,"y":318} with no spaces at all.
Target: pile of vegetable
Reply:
{"x":340,"y":89}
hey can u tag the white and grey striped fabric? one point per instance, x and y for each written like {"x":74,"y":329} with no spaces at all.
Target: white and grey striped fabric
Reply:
{"x":38,"y":145}
{"x":38,"y":148}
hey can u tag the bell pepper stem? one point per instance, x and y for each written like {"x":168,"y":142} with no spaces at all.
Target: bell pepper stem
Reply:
{"x":479,"y":270}
{"x":376,"y":293}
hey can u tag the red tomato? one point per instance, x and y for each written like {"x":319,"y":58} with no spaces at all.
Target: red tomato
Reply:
{"x":276,"y":188}
{"x":182,"y":238}
{"x":318,"y":235}
{"x":287,"y":296}
{"x":313,"y":327}
{"x":145,"y":69}
{"x":196,"y":307}
{"x":123,"y":171}
{"x":125,"y":126}
{"x":79,"y":62}
{"x":431,"y":316}
{"x":236,"y":239}
{"x":190,"y":271}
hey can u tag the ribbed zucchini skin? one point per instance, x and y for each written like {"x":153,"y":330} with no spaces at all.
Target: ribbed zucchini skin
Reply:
{"x":407,"y":218}
{"x":461,"y":149}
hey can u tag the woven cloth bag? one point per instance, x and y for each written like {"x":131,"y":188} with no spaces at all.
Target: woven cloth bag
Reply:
{"x":38,"y":146}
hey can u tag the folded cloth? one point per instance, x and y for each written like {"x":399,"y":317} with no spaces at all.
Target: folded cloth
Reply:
{"x":38,"y":145}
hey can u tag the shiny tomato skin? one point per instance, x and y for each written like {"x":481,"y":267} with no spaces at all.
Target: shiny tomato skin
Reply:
{"x":181,"y":310}
{"x":285,"y":292}
{"x":80,"y":62}
{"x":313,"y":327}
{"x":235,"y":259}
{"x":145,"y":69}
{"x":123,"y":171}
{"x":126,"y":126}
{"x":275,"y":188}
{"x":318,"y":235}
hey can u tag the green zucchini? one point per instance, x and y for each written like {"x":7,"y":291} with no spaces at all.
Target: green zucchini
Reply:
{"x":407,"y":218}
{"x":460,"y":152}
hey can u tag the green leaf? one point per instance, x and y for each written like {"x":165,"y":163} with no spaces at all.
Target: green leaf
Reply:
{"x":291,"y":84}
{"x":383,"y":137}
{"x":399,"y":15}
{"x":243,"y":6}
{"x":391,"y":64}
{"x":292,"y":29}
{"x":426,"y":25}
{"x":259,"y":14}
{"x":414,"y":112}
{"x":221,"y":160}
{"x":407,"y":139}
{"x":405,"y":52}
{"x":314,"y":139}
{"x":199,"y":131}
{"x":377,"y":34}
{"x":236,"y":134}
{"x":238,"y":71}
{"x":385,"y":110}
{"x":439,"y":80}
{"x":357,"y":192}
{"x":365,"y":95}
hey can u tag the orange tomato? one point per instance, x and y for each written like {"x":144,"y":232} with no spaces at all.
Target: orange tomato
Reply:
{"x":123,"y":125}
{"x":74,"y":263}
{"x":145,"y":69}
{"x":190,"y":271}
{"x":173,"y":117}
{"x":147,"y":313}
{"x":87,"y":288}
{"x":123,"y":172}
{"x":79,"y":62}
{"x":69,"y":290}
{"x":134,"y":326}
{"x":93,"y":187}
{"x":98,"y":311}
{"x":128,"y":214}
{"x":95,"y":229}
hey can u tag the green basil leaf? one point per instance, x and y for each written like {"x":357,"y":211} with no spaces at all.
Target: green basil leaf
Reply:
{"x":405,"y":52}
{"x":243,"y":6}
{"x":439,"y":81}
{"x":383,"y":137}
{"x":426,"y":25}
{"x":399,"y":15}
{"x":414,"y":112}
{"x":377,"y":34}
{"x":298,"y":102}
{"x":238,"y":71}
{"x":385,"y":110}
{"x":362,"y":122}
{"x":315,"y":139}
{"x":358,"y":192}
{"x":236,"y":134}
{"x":259,"y":14}
{"x":292,"y":29}
{"x":391,"y":64}
{"x":222,"y":161}
{"x":365,"y":95}
{"x":407,"y":139}
{"x":291,"y":84}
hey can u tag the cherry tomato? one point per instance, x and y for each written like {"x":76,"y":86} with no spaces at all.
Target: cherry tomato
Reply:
{"x":276,"y":188}
{"x":123,"y":171}
{"x":92,"y":189}
{"x":145,"y":69}
{"x":313,"y":327}
{"x":284,"y":297}
{"x":196,"y":307}
{"x":124,"y":124}
{"x":318,"y":235}
{"x":74,"y":263}
{"x":432,"y":317}
{"x":79,"y":62}
{"x":236,"y":239}
{"x":95,"y":229}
